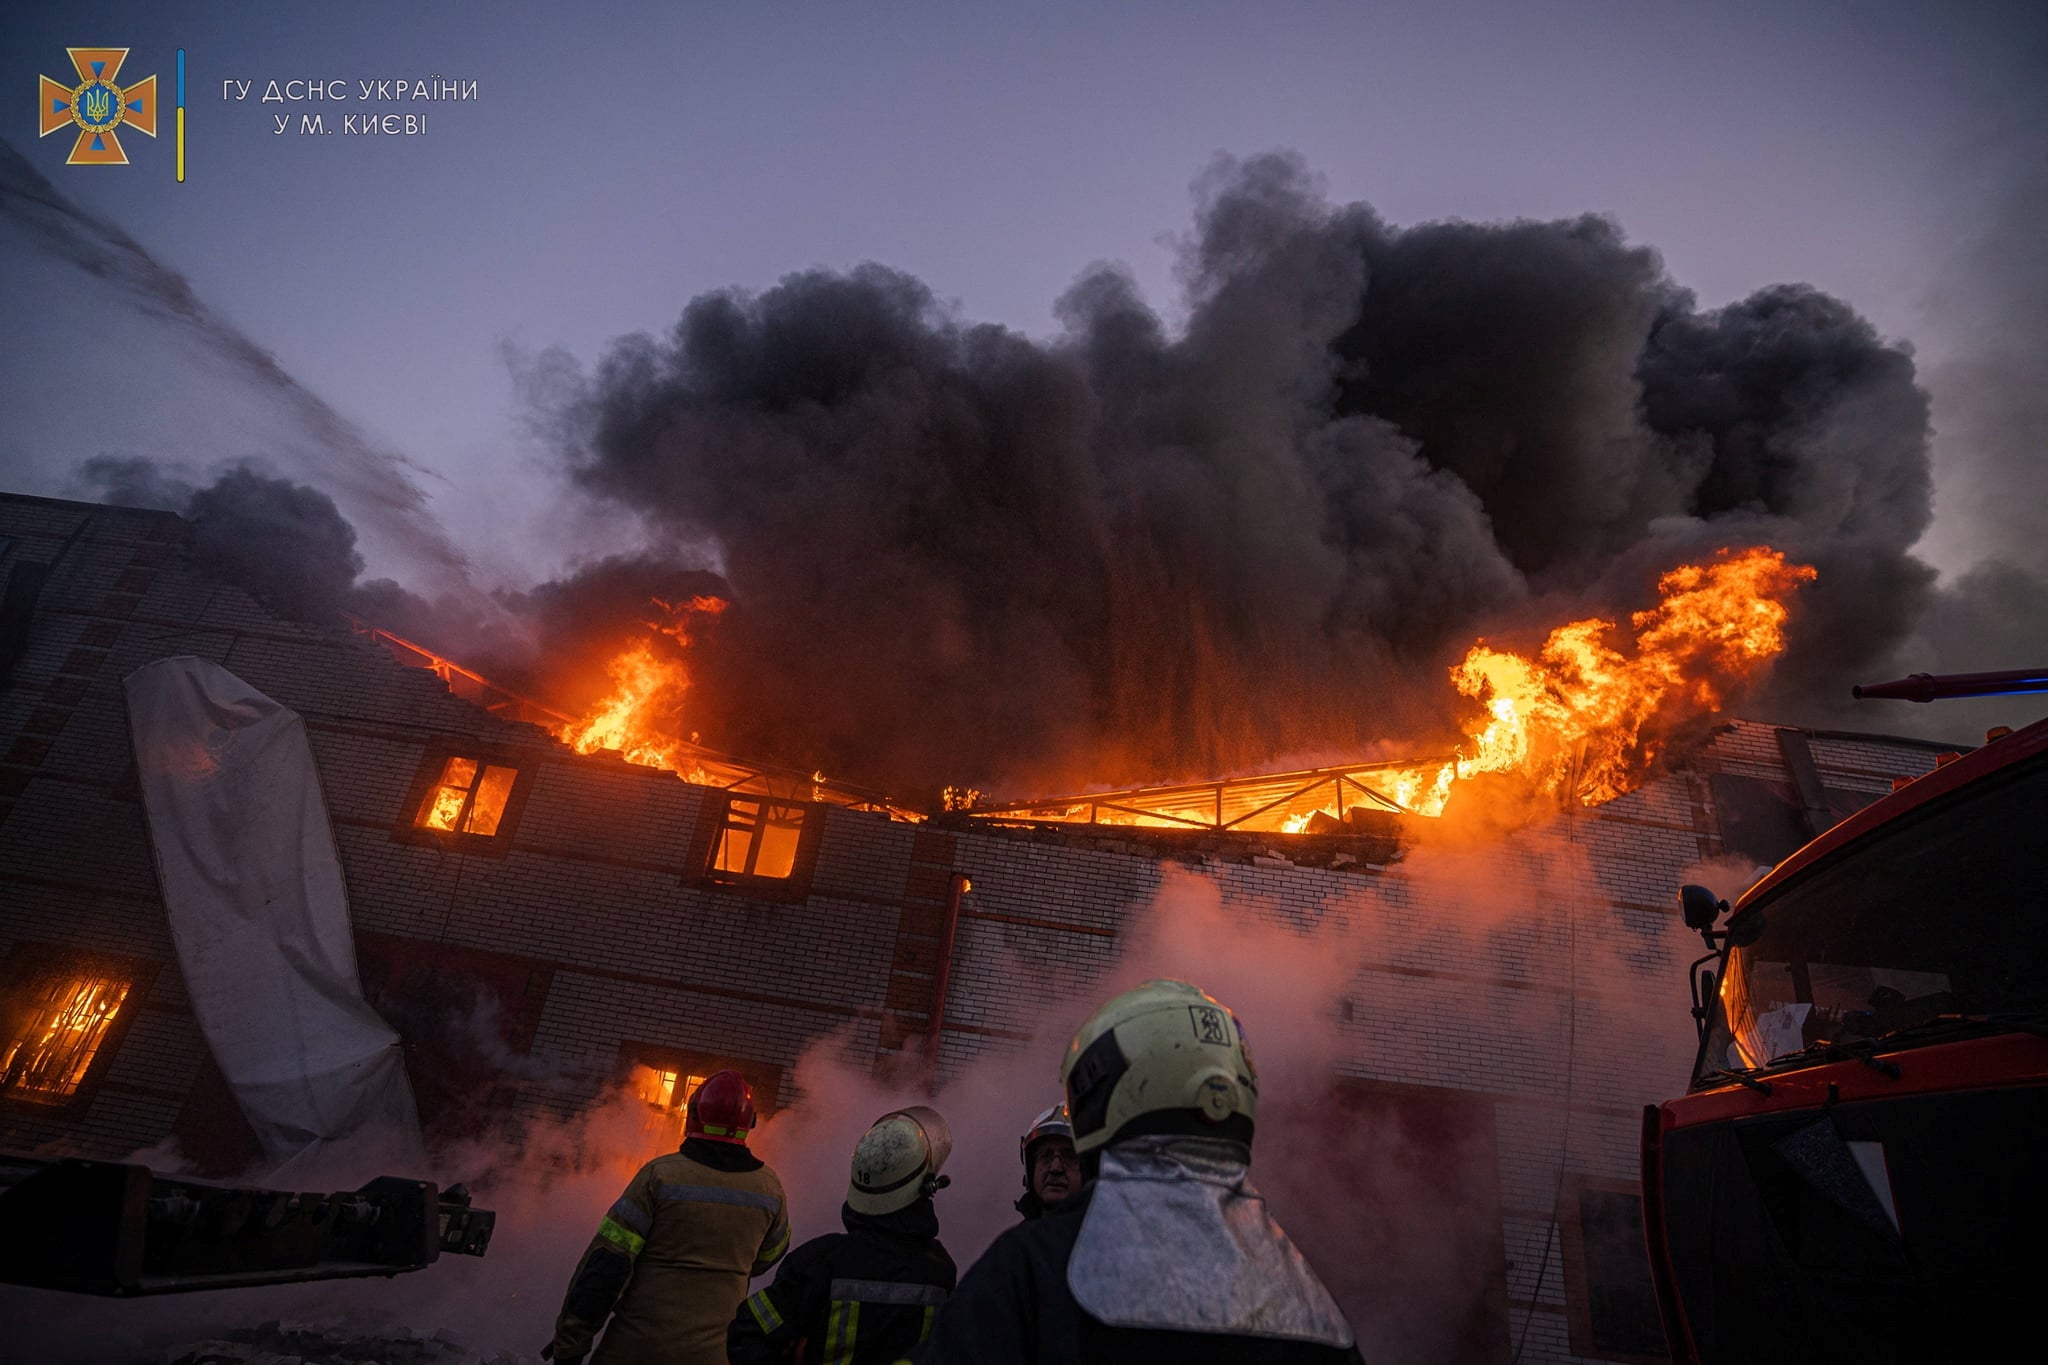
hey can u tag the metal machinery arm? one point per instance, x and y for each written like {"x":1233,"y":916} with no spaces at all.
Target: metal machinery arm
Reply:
{"x":102,"y":1227}
{"x":1940,"y":686}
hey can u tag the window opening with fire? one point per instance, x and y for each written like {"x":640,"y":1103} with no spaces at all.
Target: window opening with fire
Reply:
{"x":759,"y":839}
{"x":664,"y":1078}
{"x":665,"y":1087}
{"x":55,"y":1027}
{"x":469,"y":797}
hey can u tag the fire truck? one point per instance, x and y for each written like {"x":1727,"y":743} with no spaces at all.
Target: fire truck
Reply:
{"x":1859,"y":1171}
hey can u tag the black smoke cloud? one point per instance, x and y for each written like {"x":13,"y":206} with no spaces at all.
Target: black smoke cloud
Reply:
{"x":134,"y":481}
{"x":960,"y":555}
{"x":284,"y":543}
{"x":288,"y":545}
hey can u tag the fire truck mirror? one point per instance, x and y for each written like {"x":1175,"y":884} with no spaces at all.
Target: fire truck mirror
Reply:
{"x":1701,"y":906}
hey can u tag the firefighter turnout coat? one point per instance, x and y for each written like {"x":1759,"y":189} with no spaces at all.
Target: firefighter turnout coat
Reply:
{"x":672,"y":1258}
{"x":1015,"y":1308}
{"x":862,"y":1297}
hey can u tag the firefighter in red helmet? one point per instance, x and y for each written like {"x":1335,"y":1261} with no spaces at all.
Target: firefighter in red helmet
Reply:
{"x":672,"y":1257}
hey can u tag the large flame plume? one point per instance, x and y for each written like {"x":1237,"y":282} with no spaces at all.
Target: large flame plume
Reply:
{"x":641,"y":717}
{"x":1578,"y":717}
{"x":1573,"y":717}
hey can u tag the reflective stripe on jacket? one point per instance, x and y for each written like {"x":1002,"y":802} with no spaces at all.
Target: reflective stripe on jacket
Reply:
{"x":862,"y":1297}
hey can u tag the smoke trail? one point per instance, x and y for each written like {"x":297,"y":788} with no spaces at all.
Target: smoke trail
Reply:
{"x":377,"y":486}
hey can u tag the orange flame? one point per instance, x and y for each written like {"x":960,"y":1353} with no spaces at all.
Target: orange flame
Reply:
{"x":641,"y":716}
{"x":1574,"y":715}
{"x":61,"y":1034}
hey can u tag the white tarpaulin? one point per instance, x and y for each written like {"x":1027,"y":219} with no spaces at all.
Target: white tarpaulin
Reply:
{"x":259,"y":913}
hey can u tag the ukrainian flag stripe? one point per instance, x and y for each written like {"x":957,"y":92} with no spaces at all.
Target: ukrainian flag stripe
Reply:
{"x":628,"y":1240}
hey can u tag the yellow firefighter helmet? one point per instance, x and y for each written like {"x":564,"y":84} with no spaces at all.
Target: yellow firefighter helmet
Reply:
{"x":897,"y":1161}
{"x":1165,"y":1057}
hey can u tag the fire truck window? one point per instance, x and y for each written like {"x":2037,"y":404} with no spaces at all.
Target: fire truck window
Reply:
{"x":1944,"y":912}
{"x":759,"y":839}
{"x":55,"y":1025}
{"x":469,"y":797}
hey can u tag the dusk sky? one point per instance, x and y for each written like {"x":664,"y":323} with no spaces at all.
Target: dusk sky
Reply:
{"x":621,"y":159}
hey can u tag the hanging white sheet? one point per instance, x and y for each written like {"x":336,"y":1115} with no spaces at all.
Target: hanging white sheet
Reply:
{"x":259,"y":915}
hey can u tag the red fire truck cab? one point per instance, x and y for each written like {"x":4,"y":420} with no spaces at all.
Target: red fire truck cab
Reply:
{"x":1859,"y":1171}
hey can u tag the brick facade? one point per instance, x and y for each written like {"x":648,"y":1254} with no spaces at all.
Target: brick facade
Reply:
{"x":595,"y":907}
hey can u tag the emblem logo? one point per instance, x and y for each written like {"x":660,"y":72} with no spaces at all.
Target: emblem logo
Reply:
{"x":98,"y":107}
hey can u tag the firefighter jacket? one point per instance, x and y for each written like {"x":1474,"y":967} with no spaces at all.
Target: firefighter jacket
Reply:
{"x":1014,"y":1308}
{"x":860,"y":1297}
{"x":672,"y":1258}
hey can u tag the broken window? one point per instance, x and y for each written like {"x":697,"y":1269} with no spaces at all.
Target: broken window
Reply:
{"x":56,"y":1022}
{"x":759,"y":839}
{"x":469,"y":797}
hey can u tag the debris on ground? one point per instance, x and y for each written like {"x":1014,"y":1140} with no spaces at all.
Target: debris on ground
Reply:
{"x":287,"y":1343}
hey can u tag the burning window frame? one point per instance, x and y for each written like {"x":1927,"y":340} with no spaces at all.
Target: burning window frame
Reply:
{"x":764,"y":1078}
{"x":33,"y":978}
{"x":716,"y":822}
{"x":428,"y":782}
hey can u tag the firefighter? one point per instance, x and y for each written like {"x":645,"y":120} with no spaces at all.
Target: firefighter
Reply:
{"x":674,"y":1254}
{"x":1167,"y":1254}
{"x":1052,"y":1169}
{"x":867,"y":1294}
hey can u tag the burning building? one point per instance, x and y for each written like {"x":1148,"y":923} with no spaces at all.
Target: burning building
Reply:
{"x":541,"y":922}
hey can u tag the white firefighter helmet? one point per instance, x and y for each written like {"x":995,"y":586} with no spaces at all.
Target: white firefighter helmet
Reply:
{"x":897,"y":1161}
{"x":1163,"y":1057}
{"x":1050,"y":1124}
